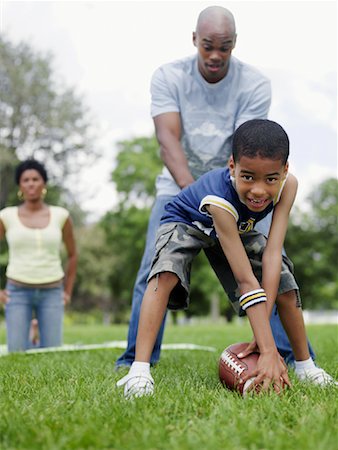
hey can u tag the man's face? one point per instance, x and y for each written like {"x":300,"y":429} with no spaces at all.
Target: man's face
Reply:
{"x":258,"y":180}
{"x":214,"y":45}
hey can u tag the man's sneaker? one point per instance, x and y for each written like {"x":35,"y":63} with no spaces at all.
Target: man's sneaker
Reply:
{"x":316,"y":375}
{"x":137,"y":385}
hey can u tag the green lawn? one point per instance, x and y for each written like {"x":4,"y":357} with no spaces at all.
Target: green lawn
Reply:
{"x":58,"y":401}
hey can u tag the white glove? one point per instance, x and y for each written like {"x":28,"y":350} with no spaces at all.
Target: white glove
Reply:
{"x":138,"y":382}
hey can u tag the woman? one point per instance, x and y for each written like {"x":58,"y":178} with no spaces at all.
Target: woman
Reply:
{"x":36,"y":281}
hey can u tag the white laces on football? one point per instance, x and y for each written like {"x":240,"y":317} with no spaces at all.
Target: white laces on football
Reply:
{"x":137,"y":384}
{"x":316,"y":375}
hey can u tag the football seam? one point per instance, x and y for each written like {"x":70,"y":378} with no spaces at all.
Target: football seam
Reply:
{"x":230,"y":361}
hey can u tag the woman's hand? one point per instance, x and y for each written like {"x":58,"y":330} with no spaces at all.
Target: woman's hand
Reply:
{"x":66,"y":298}
{"x":4,"y":297}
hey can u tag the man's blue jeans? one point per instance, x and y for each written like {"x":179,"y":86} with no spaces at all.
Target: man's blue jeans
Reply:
{"x":281,"y":339}
{"x":48,"y":306}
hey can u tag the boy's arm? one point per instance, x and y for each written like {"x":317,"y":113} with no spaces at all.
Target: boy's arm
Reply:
{"x":270,"y":369}
{"x":272,"y":257}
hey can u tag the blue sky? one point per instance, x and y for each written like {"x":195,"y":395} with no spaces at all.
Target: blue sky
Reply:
{"x":108,"y":51}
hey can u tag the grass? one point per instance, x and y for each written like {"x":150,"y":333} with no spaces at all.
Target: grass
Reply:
{"x":64,"y":401}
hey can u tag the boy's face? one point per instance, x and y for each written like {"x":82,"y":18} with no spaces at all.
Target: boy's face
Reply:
{"x":258,"y":180}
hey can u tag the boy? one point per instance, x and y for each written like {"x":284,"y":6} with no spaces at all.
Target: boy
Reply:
{"x":220,"y":210}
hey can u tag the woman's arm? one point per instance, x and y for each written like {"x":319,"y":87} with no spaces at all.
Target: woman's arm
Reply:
{"x":2,"y":230}
{"x":3,"y":293}
{"x":70,"y":271}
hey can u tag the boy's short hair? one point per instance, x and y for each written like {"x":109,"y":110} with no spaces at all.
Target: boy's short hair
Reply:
{"x":30,"y":164}
{"x":263,"y":138}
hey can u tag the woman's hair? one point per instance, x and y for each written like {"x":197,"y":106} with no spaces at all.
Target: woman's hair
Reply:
{"x":30,"y":164}
{"x":263,"y":138}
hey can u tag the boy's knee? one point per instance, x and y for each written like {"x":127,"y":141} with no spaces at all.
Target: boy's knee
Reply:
{"x":165,"y":279}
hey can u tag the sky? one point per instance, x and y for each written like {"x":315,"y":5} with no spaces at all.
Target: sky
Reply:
{"x":108,"y":50}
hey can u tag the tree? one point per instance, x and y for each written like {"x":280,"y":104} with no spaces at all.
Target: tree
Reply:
{"x":137,"y":166}
{"x":312,"y":243}
{"x":39,"y":118}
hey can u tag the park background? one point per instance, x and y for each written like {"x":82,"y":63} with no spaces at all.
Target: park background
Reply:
{"x":74,"y":93}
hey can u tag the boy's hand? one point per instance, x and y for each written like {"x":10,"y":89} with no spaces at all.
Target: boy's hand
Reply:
{"x":251,"y":348}
{"x":271,"y":371}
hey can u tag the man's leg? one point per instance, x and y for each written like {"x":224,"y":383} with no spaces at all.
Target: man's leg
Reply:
{"x":281,"y":339}
{"x":127,"y":358}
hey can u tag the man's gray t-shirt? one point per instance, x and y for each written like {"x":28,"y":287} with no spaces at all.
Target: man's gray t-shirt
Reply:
{"x":210,"y":112}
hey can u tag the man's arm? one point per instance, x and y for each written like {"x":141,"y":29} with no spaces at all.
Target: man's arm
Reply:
{"x":272,"y":257}
{"x":270,"y":368}
{"x":168,"y":133}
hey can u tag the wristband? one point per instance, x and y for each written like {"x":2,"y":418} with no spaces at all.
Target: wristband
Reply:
{"x":252,"y":298}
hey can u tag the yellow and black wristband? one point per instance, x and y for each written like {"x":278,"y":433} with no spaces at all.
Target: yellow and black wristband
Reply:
{"x":252,"y":298}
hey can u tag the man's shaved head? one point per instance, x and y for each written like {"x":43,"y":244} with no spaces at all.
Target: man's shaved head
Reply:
{"x":214,"y":38}
{"x":218,"y":16}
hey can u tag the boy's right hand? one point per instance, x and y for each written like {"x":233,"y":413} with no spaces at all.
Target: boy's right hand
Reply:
{"x":272,"y":371}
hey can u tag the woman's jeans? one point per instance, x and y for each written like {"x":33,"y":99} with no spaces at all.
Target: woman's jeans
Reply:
{"x":47,"y":303}
{"x":127,"y":358}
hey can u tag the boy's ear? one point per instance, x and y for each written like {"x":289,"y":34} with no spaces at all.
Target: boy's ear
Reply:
{"x":231,"y":165}
{"x":286,"y":169}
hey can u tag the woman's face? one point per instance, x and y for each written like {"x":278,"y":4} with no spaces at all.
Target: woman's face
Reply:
{"x":31,"y":185}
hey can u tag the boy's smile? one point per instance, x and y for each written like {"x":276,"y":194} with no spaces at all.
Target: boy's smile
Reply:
{"x":257,"y":180}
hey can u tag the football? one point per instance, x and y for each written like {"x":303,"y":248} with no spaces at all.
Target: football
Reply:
{"x":231,"y":367}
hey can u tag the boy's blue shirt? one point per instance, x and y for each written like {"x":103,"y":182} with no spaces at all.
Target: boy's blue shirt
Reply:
{"x":213,"y":188}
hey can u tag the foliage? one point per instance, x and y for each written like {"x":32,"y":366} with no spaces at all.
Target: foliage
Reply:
{"x":312,"y":244}
{"x":40,"y":118}
{"x":95,"y":262}
{"x":125,"y":232}
{"x":69,"y":401}
{"x":108,"y":262}
{"x":138,"y":165}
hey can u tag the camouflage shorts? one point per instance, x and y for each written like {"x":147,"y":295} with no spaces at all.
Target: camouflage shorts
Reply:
{"x":177,"y":244}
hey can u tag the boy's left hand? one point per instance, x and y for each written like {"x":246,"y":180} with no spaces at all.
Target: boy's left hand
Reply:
{"x":251,"y":348}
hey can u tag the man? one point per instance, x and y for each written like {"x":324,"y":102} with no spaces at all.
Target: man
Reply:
{"x":197,"y":104}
